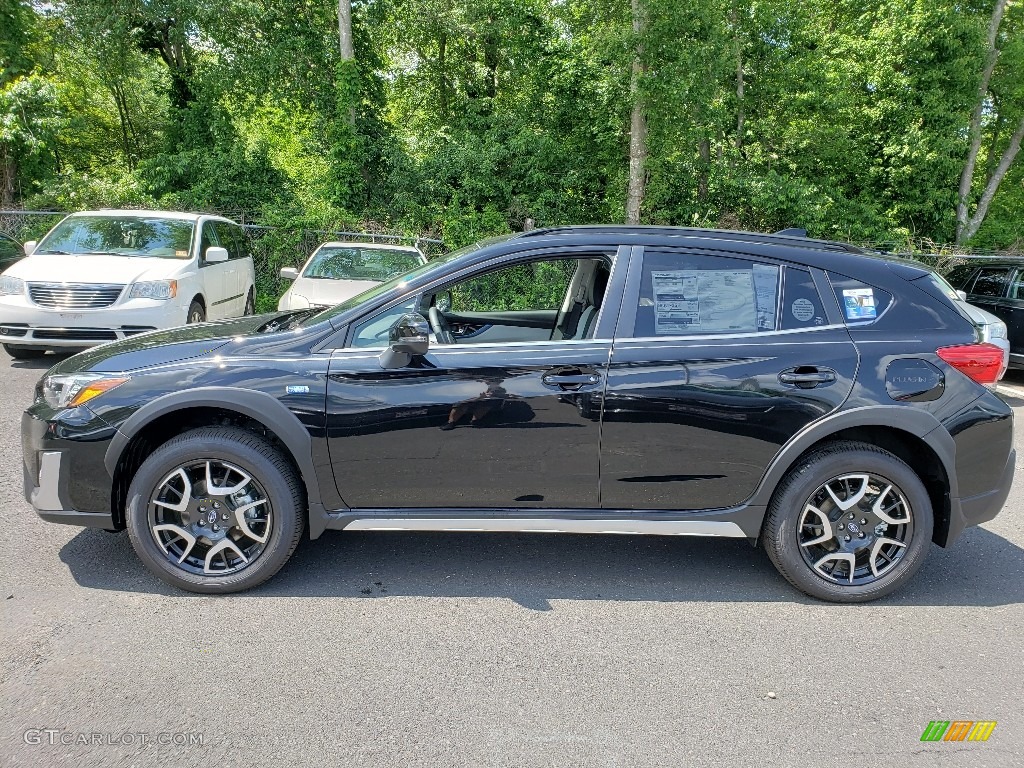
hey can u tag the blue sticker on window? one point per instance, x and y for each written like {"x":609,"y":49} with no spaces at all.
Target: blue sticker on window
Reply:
{"x":859,"y":303}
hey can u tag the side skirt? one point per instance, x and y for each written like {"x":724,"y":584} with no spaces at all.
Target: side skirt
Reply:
{"x":744,"y":522}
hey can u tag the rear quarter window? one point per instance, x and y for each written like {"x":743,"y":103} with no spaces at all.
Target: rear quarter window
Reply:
{"x":858,"y":301}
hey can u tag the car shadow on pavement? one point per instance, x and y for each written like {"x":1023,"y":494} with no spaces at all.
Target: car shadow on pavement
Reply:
{"x":983,"y":569}
{"x":40,"y":363}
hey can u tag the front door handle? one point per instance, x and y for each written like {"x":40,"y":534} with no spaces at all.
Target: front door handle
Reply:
{"x":807,"y":377}
{"x":570,"y":381}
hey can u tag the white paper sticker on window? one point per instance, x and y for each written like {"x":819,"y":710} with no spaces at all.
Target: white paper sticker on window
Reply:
{"x":766,"y":287}
{"x":703,"y":301}
{"x":859,"y":303}
{"x":803,"y":310}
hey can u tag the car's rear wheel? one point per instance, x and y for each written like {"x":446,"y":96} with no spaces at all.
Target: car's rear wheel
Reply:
{"x":23,"y":353}
{"x":850,"y":523}
{"x":215,"y":510}
{"x":196,"y":313}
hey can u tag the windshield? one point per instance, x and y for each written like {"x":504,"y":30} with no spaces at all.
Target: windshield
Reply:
{"x":121,"y":236}
{"x":357,"y":263}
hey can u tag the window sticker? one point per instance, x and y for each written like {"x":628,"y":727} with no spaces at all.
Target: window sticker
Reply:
{"x":803,"y":310}
{"x":703,"y":301}
{"x":859,"y":303}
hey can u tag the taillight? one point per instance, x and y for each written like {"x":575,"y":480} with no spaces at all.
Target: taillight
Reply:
{"x":981,"y":362}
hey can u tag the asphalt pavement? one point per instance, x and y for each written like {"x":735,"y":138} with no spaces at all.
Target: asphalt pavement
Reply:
{"x":422,"y":649}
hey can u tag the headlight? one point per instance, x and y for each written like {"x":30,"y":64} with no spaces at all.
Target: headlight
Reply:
{"x":11,"y":286}
{"x":74,"y":389}
{"x":996,"y":330}
{"x":154,"y":289}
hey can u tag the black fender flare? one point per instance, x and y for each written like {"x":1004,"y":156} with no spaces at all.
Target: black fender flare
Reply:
{"x":258,"y":406}
{"x":918,"y":423}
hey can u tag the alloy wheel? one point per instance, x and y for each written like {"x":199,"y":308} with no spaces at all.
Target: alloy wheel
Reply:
{"x":855,"y":528}
{"x":210,"y":517}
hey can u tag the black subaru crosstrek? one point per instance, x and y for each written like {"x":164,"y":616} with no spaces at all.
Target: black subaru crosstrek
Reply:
{"x":826,"y":403}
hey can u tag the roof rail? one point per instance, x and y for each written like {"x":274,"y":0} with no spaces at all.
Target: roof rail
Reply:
{"x":726,"y":234}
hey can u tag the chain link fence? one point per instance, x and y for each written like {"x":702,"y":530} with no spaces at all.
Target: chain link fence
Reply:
{"x":271,"y":247}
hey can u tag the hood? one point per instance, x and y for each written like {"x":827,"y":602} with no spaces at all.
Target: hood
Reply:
{"x":329,"y":292}
{"x":119,"y":270}
{"x":160,"y":347}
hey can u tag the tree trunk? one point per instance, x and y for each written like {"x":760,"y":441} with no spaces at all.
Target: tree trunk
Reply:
{"x":345,"y":43}
{"x":967,"y":177}
{"x":740,"y":115}
{"x":442,"y":75}
{"x":637,"y":126}
{"x":8,"y":172}
{"x":972,"y":226}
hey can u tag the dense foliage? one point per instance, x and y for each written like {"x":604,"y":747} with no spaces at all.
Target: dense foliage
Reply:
{"x":852,"y":118}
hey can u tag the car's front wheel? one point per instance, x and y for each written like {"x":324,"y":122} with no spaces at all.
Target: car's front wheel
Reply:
{"x":250,"y":304}
{"x":850,"y":523}
{"x":215,"y":510}
{"x":196,"y":313}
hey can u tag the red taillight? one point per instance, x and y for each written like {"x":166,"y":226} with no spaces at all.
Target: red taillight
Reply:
{"x":982,"y":362}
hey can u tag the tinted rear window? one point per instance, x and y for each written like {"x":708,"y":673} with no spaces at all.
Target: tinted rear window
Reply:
{"x":991,"y":281}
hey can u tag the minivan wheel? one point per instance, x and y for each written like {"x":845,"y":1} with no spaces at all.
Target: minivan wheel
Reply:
{"x":215,"y":510}
{"x":250,"y":304}
{"x":196,"y":313}
{"x":23,"y":353}
{"x":850,"y":523}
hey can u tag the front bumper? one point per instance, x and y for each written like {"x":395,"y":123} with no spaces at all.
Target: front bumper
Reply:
{"x":54,"y":452}
{"x":25,"y":324}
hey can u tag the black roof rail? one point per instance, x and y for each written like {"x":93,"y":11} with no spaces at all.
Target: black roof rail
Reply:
{"x":726,"y":234}
{"x":793,"y":232}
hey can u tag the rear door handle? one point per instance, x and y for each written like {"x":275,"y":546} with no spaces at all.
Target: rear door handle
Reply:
{"x":570,"y":381}
{"x":807,"y":377}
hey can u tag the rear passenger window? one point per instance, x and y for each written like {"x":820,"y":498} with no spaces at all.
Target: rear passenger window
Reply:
{"x":801,"y":304}
{"x":685,"y":294}
{"x":991,"y":282}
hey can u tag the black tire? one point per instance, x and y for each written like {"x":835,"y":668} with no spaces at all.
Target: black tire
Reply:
{"x":196,"y":313}
{"x":250,"y":304}
{"x":23,"y":353}
{"x":256,"y":457}
{"x":780,"y":533}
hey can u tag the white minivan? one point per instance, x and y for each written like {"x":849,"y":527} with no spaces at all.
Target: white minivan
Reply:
{"x":104,"y":275}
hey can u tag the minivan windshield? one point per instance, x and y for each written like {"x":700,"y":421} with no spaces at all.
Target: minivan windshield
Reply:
{"x":120,"y":235}
{"x":333,"y":262}
{"x":398,"y":280}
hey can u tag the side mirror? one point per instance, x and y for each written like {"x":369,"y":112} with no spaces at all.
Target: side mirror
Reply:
{"x":409,"y":336}
{"x":215,"y":255}
{"x":962,"y":295}
{"x":289,"y":273}
{"x":29,"y":247}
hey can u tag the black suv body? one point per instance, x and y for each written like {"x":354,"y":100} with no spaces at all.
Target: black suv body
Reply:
{"x":827,"y":403}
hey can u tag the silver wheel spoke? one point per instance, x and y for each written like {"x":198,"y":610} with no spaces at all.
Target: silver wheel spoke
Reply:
{"x":825,"y":524}
{"x":882,"y":514}
{"x":876,"y":548}
{"x":848,"y":557}
{"x":845,"y":504}
{"x":218,"y":548}
{"x":178,"y":531}
{"x":186,"y":494}
{"x":243,"y":523}
{"x":224,"y":490}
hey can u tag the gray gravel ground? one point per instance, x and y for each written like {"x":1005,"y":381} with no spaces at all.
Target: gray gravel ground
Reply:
{"x":374,"y":649}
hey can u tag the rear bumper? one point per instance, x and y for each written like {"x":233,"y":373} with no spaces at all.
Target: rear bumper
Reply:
{"x":984,"y":506}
